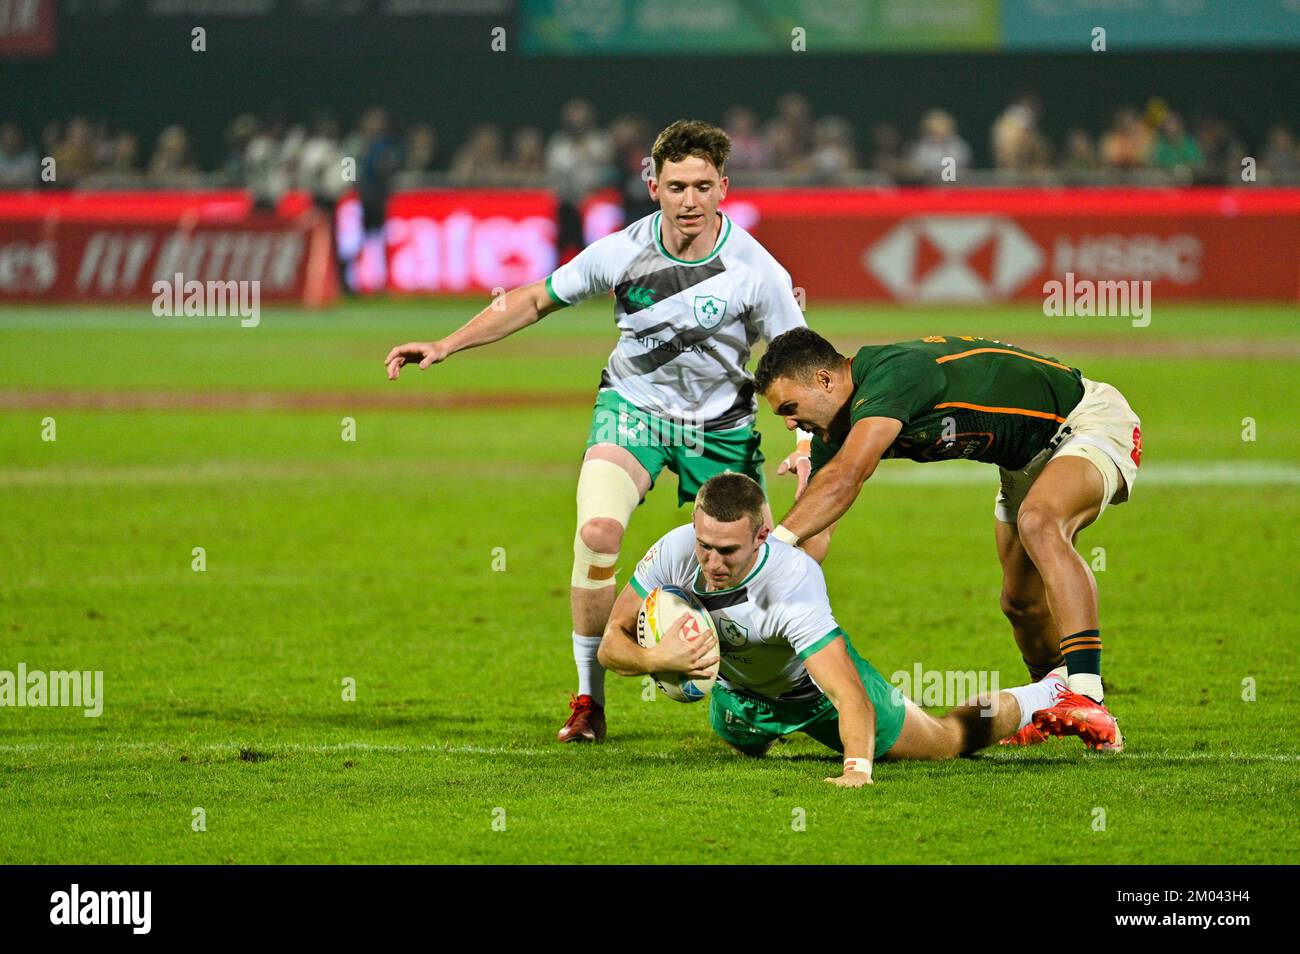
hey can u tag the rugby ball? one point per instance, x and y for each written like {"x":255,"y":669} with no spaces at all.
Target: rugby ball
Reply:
{"x":660,"y":609}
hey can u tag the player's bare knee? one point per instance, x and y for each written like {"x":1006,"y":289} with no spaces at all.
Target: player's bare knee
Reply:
{"x":1023,"y":612}
{"x":753,"y":751}
{"x":602,"y":534}
{"x":1038,"y":527}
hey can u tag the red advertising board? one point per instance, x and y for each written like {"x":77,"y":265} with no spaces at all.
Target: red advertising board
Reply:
{"x":452,"y":240}
{"x":209,"y":205}
{"x":903,"y":245}
{"x":995,"y":245}
{"x":56,"y":258}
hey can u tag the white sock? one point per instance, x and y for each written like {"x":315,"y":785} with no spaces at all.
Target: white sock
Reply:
{"x":1038,"y":695}
{"x":1086,"y":684}
{"x":1062,"y":671}
{"x":591,"y":674}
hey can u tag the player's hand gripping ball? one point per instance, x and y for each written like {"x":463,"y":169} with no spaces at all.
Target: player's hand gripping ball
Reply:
{"x":659,"y":612}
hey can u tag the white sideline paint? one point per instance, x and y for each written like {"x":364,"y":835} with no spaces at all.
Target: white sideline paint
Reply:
{"x":955,"y":473}
{"x":891,"y":473}
{"x":321,"y":748}
{"x":1002,"y":756}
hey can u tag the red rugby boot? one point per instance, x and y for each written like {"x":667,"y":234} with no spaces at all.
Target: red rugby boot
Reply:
{"x":586,"y":724}
{"x":1029,"y":735}
{"x":1078,"y":715}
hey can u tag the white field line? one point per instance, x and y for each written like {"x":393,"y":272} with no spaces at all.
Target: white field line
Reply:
{"x":995,"y":755}
{"x":1169,"y":475}
{"x":226,"y":471}
{"x":319,"y":748}
{"x":898,"y":474}
{"x":445,"y":748}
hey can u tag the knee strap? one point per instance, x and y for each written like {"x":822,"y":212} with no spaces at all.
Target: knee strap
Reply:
{"x":605,"y":491}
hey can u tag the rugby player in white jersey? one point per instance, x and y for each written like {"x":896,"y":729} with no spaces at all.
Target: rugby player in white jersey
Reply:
{"x":786,"y":665}
{"x":693,"y":292}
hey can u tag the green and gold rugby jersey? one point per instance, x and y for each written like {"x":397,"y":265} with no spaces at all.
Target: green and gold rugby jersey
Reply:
{"x":961,"y":398}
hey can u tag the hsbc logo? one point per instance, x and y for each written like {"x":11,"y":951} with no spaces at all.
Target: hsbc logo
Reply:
{"x":953,"y":258}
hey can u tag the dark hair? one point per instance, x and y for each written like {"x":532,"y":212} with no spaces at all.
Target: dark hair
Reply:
{"x":797,"y":354}
{"x":729,"y":497}
{"x":691,"y":137}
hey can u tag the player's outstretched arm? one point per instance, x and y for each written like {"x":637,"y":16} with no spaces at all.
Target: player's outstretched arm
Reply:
{"x":832,"y":492}
{"x":799,"y":464}
{"x":518,"y":308}
{"x":832,"y":668}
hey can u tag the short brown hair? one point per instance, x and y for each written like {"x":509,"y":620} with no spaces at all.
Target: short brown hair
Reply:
{"x":797,"y":354}
{"x":729,"y":497}
{"x":691,"y":137}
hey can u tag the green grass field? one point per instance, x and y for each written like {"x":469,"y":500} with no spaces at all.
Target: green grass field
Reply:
{"x":373,"y":560}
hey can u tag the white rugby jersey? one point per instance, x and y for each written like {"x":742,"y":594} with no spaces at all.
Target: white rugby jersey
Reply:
{"x":685,"y":327}
{"x":777,"y":617}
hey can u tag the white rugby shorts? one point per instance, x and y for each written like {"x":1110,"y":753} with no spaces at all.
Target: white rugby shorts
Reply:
{"x":1102,"y":428}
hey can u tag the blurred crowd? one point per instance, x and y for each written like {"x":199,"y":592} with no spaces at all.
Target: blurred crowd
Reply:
{"x":271,"y":154}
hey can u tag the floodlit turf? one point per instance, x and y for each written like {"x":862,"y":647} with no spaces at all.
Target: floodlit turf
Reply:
{"x":373,"y":560}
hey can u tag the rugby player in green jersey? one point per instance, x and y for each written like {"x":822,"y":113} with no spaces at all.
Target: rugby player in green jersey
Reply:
{"x":785,"y":665}
{"x":1066,"y":447}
